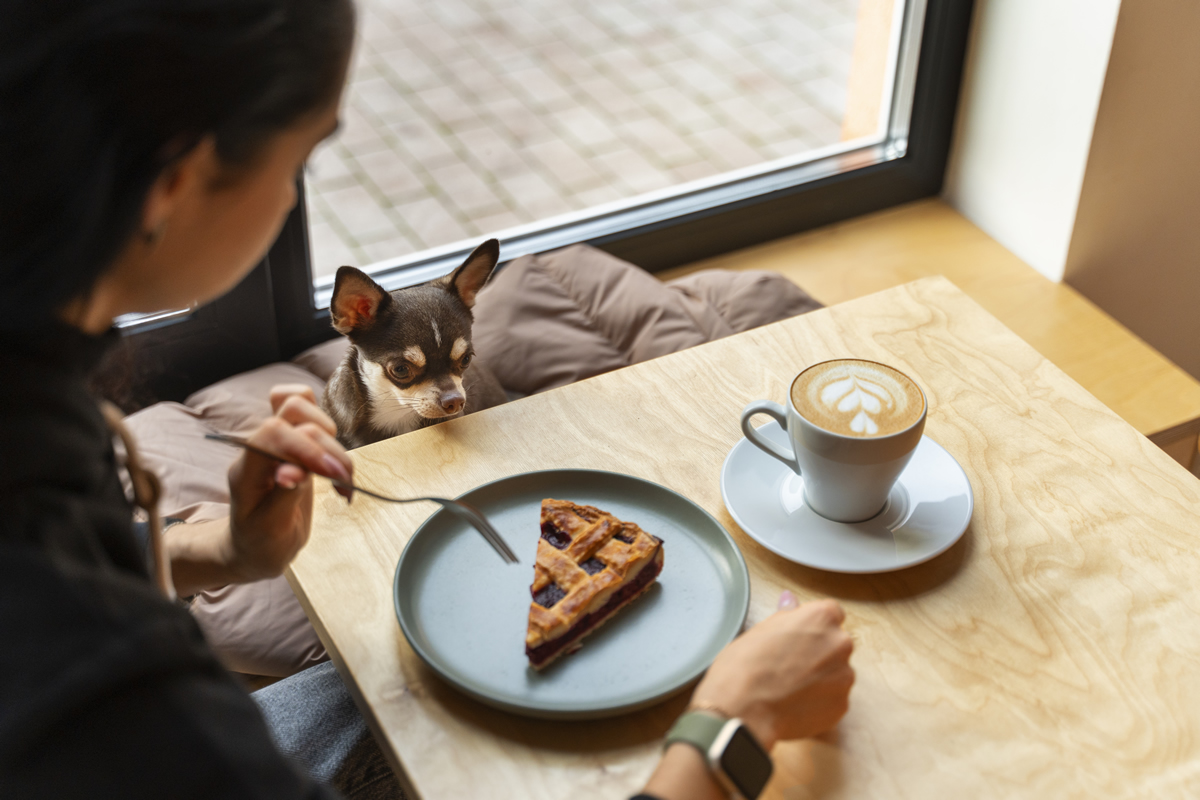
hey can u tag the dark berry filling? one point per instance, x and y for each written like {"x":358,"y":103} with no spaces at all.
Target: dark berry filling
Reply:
{"x":545,"y":651}
{"x":624,"y":536}
{"x":557,"y":539}
{"x":550,"y":595}
{"x":592,"y":566}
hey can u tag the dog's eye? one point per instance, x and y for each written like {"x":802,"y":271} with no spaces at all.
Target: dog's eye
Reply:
{"x":401,"y":372}
{"x":466,"y":360}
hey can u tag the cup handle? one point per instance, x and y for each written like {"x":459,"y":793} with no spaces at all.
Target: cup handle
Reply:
{"x":771,"y":409}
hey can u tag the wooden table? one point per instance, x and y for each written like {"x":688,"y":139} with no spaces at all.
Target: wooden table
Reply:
{"x":1053,"y":652}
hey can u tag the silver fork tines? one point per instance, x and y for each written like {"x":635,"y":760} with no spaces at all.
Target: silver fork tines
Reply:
{"x":473,"y":516}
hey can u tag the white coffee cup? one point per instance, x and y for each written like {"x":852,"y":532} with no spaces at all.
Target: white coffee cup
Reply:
{"x":862,"y":421}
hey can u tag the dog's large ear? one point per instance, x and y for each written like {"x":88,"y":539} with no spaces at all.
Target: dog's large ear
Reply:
{"x":468,"y":279}
{"x":357,"y":300}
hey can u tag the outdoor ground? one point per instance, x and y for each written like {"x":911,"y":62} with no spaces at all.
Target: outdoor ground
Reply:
{"x":466,"y":117}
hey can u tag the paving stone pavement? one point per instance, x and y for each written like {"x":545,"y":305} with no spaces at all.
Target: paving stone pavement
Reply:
{"x":465,"y":117}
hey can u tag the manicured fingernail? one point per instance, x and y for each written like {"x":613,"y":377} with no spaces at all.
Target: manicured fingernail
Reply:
{"x":339,"y":472}
{"x":282,"y":480}
{"x":787,"y":600}
{"x":335,"y":467}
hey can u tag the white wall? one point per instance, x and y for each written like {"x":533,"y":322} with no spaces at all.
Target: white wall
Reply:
{"x":1135,"y":250}
{"x":1032,"y":83}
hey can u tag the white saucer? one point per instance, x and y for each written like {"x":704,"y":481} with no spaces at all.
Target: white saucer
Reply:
{"x":927,"y":511}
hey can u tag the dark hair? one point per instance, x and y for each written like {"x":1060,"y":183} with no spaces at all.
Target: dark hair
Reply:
{"x":98,"y":96}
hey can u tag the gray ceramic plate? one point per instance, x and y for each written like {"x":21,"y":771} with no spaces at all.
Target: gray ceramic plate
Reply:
{"x":465,"y":611}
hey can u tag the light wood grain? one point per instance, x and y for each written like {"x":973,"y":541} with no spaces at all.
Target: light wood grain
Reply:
{"x":855,"y":258}
{"x":1053,"y":652}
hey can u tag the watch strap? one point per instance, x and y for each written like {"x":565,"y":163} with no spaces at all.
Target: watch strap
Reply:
{"x":710,"y":733}
{"x":697,"y":728}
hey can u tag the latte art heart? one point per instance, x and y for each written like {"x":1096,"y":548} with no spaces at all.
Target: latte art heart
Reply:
{"x":857,"y":398}
{"x":861,"y":398}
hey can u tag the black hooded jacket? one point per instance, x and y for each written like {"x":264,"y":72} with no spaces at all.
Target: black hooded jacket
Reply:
{"x":106,"y":688}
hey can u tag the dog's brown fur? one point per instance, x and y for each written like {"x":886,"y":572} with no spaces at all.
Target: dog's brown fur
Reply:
{"x":410,"y":361}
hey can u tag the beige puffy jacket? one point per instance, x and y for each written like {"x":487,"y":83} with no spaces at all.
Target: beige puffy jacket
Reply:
{"x":544,"y":321}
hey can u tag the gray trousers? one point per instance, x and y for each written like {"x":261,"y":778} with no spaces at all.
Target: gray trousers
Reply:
{"x":316,"y":724}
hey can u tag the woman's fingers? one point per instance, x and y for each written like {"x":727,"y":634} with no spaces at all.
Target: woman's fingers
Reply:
{"x":300,"y":408}
{"x":307,"y":445}
{"x":280,"y":393}
{"x":297,"y":408}
{"x":267,"y":526}
{"x":335,"y":461}
{"x":302,"y":433}
{"x":289,"y":476}
{"x":827,"y":611}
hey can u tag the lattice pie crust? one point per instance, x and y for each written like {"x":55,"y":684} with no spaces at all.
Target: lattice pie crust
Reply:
{"x":589,"y":566}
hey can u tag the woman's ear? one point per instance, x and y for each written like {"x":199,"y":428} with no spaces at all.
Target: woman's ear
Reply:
{"x":191,"y":172}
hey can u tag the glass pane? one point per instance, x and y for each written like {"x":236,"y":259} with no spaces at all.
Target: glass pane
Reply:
{"x":467,"y":118}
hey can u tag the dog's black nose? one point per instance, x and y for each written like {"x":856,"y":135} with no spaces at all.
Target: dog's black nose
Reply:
{"x":452,"y":402}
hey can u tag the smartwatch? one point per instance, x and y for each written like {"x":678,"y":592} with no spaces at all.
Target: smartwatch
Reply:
{"x":734,"y":756}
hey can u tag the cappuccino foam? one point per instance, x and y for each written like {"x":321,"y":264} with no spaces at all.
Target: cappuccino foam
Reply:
{"x":857,"y":398}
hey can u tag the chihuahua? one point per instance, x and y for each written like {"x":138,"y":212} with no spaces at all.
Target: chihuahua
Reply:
{"x":409,"y":365}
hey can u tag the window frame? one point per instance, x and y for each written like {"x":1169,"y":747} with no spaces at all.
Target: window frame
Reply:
{"x":705,"y":221}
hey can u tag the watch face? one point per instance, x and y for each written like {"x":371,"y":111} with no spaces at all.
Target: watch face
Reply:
{"x":746,"y":764}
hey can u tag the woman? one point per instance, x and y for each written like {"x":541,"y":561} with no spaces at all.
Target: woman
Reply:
{"x":148,"y":150}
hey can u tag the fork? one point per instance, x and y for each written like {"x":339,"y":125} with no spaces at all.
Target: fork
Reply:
{"x":473,"y":516}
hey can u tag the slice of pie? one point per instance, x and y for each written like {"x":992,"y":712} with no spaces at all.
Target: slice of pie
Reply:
{"x":590,"y":565}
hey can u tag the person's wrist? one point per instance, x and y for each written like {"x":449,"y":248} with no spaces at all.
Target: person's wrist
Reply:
{"x":757,"y":721}
{"x":246,"y":562}
{"x":738,"y":762}
{"x":225,"y":553}
{"x":683,"y":774}
{"x":244,"y":565}
{"x":234,"y":558}
{"x":200,"y":556}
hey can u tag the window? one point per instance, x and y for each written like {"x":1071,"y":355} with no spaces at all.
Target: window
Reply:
{"x":468,"y":119}
{"x":663,"y":131}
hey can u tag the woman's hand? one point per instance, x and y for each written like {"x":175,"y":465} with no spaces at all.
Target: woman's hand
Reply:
{"x":788,"y":677}
{"x":271,"y":513}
